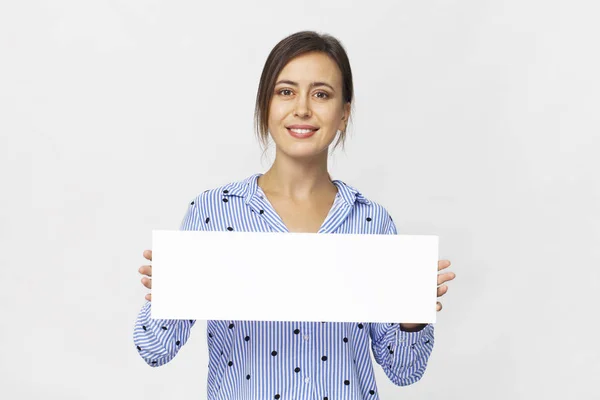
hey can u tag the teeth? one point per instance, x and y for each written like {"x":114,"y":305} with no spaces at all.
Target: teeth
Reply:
{"x":301,"y":130}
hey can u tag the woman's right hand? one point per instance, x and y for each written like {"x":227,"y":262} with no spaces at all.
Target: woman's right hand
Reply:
{"x":147,"y":270}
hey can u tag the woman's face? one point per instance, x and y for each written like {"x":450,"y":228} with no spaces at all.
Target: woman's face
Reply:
{"x":307,"y":108}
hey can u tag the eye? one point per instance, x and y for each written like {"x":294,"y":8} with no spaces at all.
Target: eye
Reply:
{"x":284,"y":90}
{"x":325,"y":95}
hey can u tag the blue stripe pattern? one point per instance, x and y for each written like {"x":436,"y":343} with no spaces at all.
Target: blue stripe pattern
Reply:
{"x":251,"y":360}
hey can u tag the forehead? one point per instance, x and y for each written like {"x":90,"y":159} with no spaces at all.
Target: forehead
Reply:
{"x":311,"y":67}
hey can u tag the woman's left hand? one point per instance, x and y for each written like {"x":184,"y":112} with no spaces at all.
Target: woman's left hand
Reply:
{"x":443,"y":278}
{"x":441,"y":290}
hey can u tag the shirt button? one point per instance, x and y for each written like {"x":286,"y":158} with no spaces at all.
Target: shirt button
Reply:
{"x":306,"y":379}
{"x":305,"y":337}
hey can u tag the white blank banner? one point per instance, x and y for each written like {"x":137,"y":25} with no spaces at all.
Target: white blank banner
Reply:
{"x":294,"y":276}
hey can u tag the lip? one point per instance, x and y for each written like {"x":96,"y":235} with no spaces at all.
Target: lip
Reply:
{"x":302,"y":127}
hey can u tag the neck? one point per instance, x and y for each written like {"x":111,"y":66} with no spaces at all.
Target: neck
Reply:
{"x":297,"y":178}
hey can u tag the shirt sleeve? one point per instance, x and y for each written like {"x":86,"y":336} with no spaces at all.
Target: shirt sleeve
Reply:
{"x":159,"y":340}
{"x":402,"y":355}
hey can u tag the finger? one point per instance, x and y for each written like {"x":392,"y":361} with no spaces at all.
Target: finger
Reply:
{"x":445,"y":277}
{"x":148,"y":297}
{"x":145,"y":270}
{"x":438,"y":307}
{"x":442,"y":264}
{"x":147,"y":282}
{"x":148,"y":254}
{"x":442,"y":290}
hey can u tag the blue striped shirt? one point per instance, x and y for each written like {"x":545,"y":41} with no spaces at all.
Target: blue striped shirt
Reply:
{"x":300,"y":360}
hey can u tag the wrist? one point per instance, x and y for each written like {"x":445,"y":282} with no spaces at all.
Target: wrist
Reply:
{"x":412,"y":327}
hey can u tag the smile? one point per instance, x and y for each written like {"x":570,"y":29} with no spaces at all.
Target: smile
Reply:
{"x":301,"y":133}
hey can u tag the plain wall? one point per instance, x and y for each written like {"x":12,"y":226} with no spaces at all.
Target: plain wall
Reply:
{"x":476,"y":121}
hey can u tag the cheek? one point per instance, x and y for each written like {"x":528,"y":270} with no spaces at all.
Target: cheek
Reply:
{"x":276,"y":114}
{"x":329,"y":112}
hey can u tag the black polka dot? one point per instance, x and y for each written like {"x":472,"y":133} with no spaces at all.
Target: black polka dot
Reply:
{"x":192,"y":203}
{"x":153,"y":362}
{"x":231,"y":326}
{"x":177,"y":343}
{"x":225,"y":200}
{"x":247,"y":376}
{"x":360,"y":326}
{"x":262,"y":211}
{"x":225,"y":191}
{"x":144,"y":327}
{"x":345,"y":340}
{"x":273,"y":353}
{"x":139,"y":348}
{"x":164,"y":328}
{"x":369,"y":219}
{"x":346,"y":382}
{"x":209,"y":334}
{"x":191,"y":321}
{"x":296,"y":331}
{"x":277,"y":396}
{"x":371,"y":391}
{"x":207,"y":220}
{"x":221,"y":352}
{"x":247,"y":338}
{"x":427,"y":341}
{"x":297,"y":369}
{"x":324,"y":358}
{"x":391,"y":351}
{"x":325,"y":398}
{"x":230,"y":363}
{"x":229,"y":228}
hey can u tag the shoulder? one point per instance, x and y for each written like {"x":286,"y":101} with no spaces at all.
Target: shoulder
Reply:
{"x":371,"y":210}
{"x":216,"y":208}
{"x":224,"y":193}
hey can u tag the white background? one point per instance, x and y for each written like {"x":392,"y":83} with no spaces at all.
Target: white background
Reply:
{"x":476,"y":121}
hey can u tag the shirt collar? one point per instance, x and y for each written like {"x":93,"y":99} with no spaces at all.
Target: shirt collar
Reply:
{"x":248,"y":187}
{"x":350,"y":194}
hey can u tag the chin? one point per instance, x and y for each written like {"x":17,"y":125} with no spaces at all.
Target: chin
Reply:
{"x":302,"y":150}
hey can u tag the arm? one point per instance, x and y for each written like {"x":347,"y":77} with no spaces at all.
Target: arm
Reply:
{"x":402,"y":351}
{"x":402,"y":355}
{"x":159,"y":340}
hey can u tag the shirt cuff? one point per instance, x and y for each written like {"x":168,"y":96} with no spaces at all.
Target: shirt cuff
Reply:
{"x":412,"y":339}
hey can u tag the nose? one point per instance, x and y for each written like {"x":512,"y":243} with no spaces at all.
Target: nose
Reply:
{"x":302,"y":107}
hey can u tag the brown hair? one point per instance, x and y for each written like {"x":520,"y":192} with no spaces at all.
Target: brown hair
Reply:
{"x":288,"y":48}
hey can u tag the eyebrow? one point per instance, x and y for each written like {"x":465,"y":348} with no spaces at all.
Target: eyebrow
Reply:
{"x":314,"y":84}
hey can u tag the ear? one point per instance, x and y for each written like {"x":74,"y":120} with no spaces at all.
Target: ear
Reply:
{"x":345,"y":117}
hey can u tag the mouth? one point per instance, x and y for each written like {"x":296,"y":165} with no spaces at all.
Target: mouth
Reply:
{"x":301,"y":133}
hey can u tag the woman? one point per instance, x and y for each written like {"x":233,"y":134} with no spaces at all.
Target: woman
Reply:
{"x":303,"y":102}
